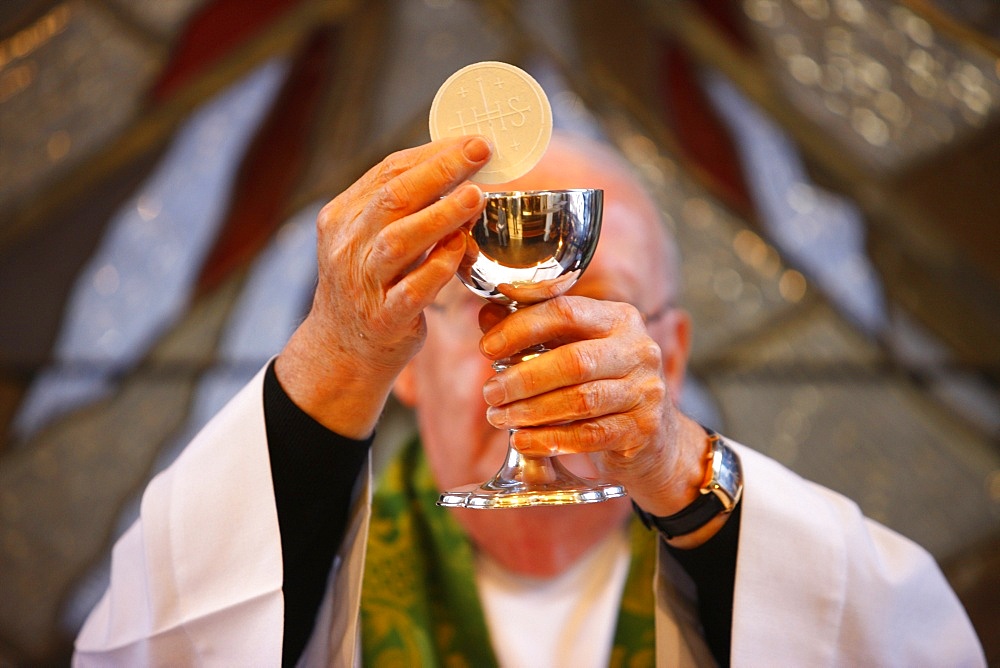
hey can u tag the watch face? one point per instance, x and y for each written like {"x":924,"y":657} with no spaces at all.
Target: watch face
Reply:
{"x":727,"y":476}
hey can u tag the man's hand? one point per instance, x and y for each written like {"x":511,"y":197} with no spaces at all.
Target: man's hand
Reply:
{"x":386,"y":246}
{"x":600,"y":390}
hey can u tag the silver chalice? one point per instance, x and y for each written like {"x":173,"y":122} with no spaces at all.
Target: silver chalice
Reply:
{"x":526,"y":247}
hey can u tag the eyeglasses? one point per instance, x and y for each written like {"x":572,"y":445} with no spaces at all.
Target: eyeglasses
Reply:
{"x":466,"y":307}
{"x":653,"y":316}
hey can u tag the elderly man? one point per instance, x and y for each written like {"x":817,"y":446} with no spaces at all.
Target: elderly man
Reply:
{"x":253,"y":547}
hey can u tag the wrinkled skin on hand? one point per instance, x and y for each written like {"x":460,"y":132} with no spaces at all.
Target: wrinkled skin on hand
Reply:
{"x":386,"y":246}
{"x":602,"y":390}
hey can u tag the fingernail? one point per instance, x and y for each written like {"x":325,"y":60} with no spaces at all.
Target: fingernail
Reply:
{"x":493,"y":392}
{"x":476,"y":149}
{"x":469,"y":196}
{"x":493,"y":343}
{"x":495,"y":416}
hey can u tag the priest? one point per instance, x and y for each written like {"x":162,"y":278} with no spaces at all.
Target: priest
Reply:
{"x":268,"y":543}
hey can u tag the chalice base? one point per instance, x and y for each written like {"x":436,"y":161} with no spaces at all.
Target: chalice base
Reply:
{"x":539,"y":481}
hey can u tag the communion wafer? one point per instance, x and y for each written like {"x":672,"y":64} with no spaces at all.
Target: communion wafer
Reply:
{"x":504,"y":104}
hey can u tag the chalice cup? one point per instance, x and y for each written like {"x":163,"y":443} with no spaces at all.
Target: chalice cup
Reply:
{"x":526,"y":247}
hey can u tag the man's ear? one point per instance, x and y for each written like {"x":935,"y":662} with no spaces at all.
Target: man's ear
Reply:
{"x":405,"y":387}
{"x":675,"y":356}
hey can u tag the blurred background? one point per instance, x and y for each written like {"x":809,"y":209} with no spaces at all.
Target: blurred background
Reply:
{"x":830,"y":168}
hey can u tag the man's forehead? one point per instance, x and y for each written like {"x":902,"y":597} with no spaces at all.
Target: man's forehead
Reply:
{"x":632,"y":248}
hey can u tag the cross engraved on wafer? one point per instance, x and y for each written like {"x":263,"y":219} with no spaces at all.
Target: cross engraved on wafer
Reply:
{"x":511,"y":109}
{"x":515,"y":115}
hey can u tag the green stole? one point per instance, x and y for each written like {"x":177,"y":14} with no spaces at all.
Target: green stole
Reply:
{"x":419,"y":604}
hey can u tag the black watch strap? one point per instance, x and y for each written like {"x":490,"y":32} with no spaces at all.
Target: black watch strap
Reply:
{"x":697,"y":514}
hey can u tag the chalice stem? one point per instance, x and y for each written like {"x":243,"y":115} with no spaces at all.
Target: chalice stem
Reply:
{"x":535,"y":471}
{"x":517,"y":358}
{"x":525,"y":248}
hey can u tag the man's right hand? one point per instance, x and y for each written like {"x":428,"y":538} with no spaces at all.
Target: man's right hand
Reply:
{"x":386,"y":246}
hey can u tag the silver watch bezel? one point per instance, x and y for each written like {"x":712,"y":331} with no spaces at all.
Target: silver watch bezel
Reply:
{"x":726,"y":474}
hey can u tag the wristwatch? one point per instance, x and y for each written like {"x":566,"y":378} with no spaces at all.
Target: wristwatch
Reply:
{"x":720,"y":492}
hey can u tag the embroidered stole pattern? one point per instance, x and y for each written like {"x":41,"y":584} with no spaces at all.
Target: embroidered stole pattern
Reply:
{"x":419,"y":604}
